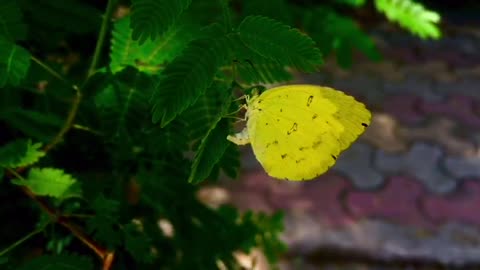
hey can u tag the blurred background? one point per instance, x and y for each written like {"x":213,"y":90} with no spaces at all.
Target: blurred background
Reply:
{"x":406,"y":195}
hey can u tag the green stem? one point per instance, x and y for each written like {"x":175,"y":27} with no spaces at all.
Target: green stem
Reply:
{"x":23,"y":239}
{"x":50,"y":70}
{"x":101,"y":37}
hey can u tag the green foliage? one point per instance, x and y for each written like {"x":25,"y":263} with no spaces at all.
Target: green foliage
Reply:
{"x":50,"y":182}
{"x":411,"y":16}
{"x":20,"y":153}
{"x":111,"y":137}
{"x":152,"y":18}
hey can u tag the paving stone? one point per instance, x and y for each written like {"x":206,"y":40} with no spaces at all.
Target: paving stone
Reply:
{"x":413,"y":85}
{"x":440,"y":131}
{"x":385,"y":241}
{"x":421,"y":162}
{"x":383,"y":133}
{"x":461,"y":167}
{"x":459,"y":107}
{"x":355,"y":163}
{"x":405,"y":108}
{"x":461,"y":206}
{"x":396,"y":202}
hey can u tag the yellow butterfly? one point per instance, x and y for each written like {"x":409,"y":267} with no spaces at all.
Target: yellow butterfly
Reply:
{"x":298,"y":131}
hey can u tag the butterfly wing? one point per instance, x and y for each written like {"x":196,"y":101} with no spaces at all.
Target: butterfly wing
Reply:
{"x":298,"y":131}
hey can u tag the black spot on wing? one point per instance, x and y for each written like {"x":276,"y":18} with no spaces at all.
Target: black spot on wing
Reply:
{"x":309,"y":101}
{"x":283,"y":156}
{"x":314,"y":116}
{"x":365,"y":125}
{"x":334,"y":157}
{"x":293,"y":129}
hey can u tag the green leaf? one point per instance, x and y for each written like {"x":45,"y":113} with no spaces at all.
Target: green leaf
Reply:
{"x":104,"y":225}
{"x":40,"y":126}
{"x":137,"y":243}
{"x":20,"y":153}
{"x":14,"y":63}
{"x":60,"y":262}
{"x":50,"y":182}
{"x":210,"y":151}
{"x":3,"y":260}
{"x":230,"y":161}
{"x":152,"y":18}
{"x":187,"y":78}
{"x":13,"y":27}
{"x":279,"y":42}
{"x":149,"y":56}
{"x":411,"y":16}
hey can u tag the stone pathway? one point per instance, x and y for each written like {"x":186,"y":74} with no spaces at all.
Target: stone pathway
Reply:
{"x":409,"y":189}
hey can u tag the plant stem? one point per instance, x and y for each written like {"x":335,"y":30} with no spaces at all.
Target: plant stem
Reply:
{"x":101,"y":37}
{"x":49,"y":69}
{"x":23,"y":239}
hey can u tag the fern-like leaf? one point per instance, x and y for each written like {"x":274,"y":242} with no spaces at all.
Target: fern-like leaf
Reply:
{"x":187,"y":78}
{"x":152,"y":18}
{"x":13,"y":27}
{"x":411,"y":16}
{"x":14,"y":63}
{"x":50,"y":182}
{"x":147,"y":57}
{"x":20,"y":153}
{"x":59,"y":262}
{"x":279,"y":42}
{"x":104,"y":224}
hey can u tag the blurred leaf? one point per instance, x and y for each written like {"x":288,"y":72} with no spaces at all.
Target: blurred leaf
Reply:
{"x":59,"y":262}
{"x":14,"y":63}
{"x":355,"y":3}
{"x":279,"y":10}
{"x":104,"y":225}
{"x":20,"y":153}
{"x":137,"y":243}
{"x":411,"y":16}
{"x":33,"y":124}
{"x":13,"y":27}
{"x":50,"y":182}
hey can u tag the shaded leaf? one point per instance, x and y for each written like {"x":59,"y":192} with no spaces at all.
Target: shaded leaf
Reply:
{"x":104,"y":225}
{"x":187,"y":78}
{"x":279,"y":42}
{"x":137,"y":243}
{"x":152,"y":18}
{"x":14,"y":63}
{"x":20,"y":153}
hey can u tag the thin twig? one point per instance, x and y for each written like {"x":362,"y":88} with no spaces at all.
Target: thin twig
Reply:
{"x":23,"y":239}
